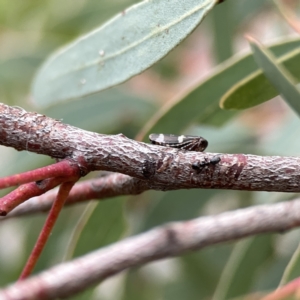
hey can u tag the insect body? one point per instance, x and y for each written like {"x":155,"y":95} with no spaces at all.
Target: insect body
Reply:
{"x":186,"y":142}
{"x":199,"y":165}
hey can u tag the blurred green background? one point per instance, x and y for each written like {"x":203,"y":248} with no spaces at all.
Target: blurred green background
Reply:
{"x":30,"y":31}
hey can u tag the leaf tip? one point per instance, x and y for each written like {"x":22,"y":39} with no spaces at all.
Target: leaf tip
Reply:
{"x":251,"y":39}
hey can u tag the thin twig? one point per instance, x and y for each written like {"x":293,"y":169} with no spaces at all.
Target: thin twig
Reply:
{"x":98,"y":188}
{"x":51,"y":177}
{"x":25,"y":192}
{"x":47,"y":228}
{"x":59,"y":169}
{"x":170,"y":240}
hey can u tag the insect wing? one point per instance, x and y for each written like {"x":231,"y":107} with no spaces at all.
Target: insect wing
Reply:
{"x":195,"y":143}
{"x":187,"y":142}
{"x":164,"y":139}
{"x":173,"y":140}
{"x":157,"y":138}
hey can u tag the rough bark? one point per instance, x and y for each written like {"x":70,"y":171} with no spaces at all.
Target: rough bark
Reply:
{"x":167,"y":241}
{"x":161,"y":167}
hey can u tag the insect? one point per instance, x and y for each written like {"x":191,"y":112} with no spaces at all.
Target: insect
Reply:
{"x":199,"y":165}
{"x":186,"y":142}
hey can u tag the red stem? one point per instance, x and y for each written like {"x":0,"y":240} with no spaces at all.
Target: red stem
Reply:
{"x":62,"y":168}
{"x":25,"y":192}
{"x":48,"y":226}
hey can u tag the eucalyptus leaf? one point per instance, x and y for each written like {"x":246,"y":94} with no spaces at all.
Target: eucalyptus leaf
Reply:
{"x":255,"y":88}
{"x":279,"y":77}
{"x":105,"y":226}
{"x":123,"y":47}
{"x":293,"y":268}
{"x":111,"y":111}
{"x":200,"y":104}
{"x":241,"y":270}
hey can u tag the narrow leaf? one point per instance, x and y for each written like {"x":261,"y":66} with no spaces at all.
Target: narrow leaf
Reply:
{"x":256,"y":88}
{"x":292,"y":270}
{"x":115,"y":111}
{"x":201,"y":103}
{"x":241,"y":270}
{"x":123,"y":47}
{"x":289,"y":13}
{"x":282,"y":80}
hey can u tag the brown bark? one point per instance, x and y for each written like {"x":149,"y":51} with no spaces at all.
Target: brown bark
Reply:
{"x":159,"y":167}
{"x":167,"y":241}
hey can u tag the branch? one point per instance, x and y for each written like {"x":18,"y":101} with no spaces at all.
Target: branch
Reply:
{"x":112,"y":185}
{"x":47,"y":228}
{"x":154,"y":164}
{"x":168,"y":241}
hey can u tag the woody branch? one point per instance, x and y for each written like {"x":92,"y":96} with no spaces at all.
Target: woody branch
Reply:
{"x":152,"y":165}
{"x":167,"y":241}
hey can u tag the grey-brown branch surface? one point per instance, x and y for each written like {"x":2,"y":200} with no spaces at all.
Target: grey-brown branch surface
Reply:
{"x":160,"y":168}
{"x":112,"y":185}
{"x":170,"y":240}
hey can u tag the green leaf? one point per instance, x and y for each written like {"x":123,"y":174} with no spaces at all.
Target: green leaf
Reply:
{"x":241,"y":270}
{"x":201,"y":103}
{"x":161,"y":213}
{"x":200,"y":271}
{"x":114,"y":110}
{"x":292,"y":271}
{"x":123,"y":47}
{"x":282,"y":80}
{"x":105,"y":226}
{"x":256,"y":88}
{"x":223,"y":30}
